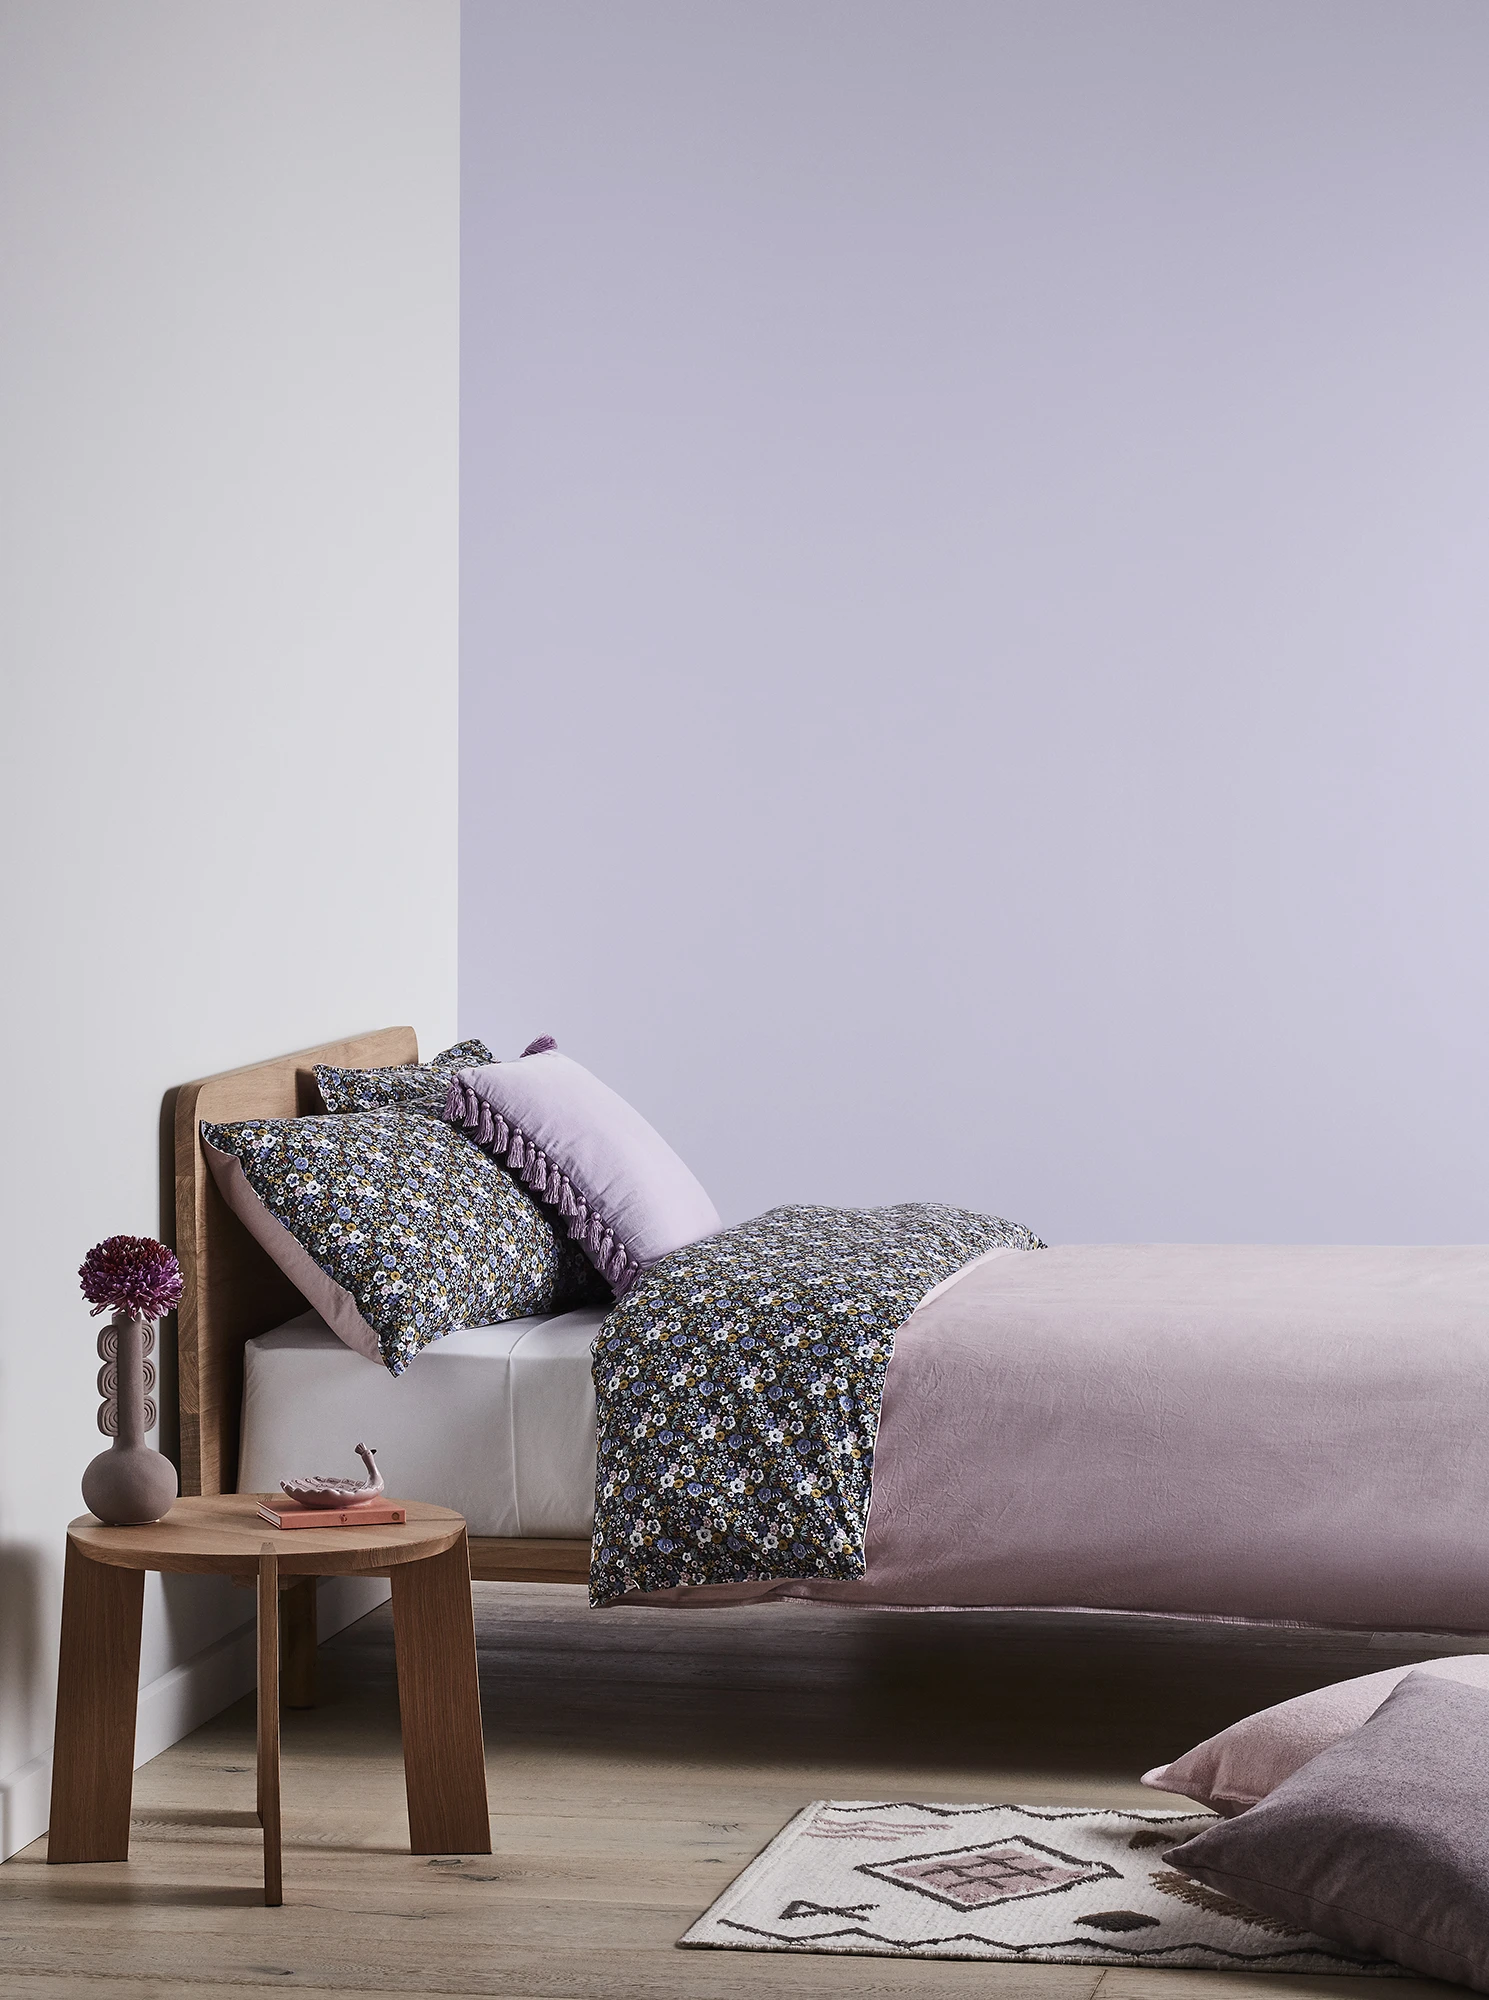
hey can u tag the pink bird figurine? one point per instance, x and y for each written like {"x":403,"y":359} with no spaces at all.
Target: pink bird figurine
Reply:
{"x":320,"y":1489}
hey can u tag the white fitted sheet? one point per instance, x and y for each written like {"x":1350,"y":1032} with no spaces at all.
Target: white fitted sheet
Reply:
{"x":495,"y":1421}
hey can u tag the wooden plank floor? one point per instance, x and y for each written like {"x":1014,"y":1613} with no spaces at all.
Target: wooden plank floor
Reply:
{"x":637,"y":1760}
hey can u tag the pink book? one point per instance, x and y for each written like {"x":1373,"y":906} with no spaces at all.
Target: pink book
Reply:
{"x":379,"y":1515}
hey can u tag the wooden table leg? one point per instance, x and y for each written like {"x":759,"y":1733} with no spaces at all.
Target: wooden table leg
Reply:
{"x":98,"y":1685}
{"x":297,"y":1612}
{"x":268,"y":1721}
{"x":439,"y":1704}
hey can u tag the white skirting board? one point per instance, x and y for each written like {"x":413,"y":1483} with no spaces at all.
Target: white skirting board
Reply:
{"x":180,"y":1700}
{"x":25,"y":1797}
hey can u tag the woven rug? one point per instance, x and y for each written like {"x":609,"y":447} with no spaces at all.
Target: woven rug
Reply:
{"x":1040,"y":1885}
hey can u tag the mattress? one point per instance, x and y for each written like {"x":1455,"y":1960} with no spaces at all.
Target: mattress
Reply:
{"x":495,"y":1421}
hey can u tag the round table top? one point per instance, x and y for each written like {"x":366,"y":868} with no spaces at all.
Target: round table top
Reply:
{"x":224,"y":1532}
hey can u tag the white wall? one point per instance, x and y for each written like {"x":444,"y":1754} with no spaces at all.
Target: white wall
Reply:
{"x":228,"y":400}
{"x":975,"y":603}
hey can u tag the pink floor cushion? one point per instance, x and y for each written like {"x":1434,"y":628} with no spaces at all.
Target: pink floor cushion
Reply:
{"x":1379,"y":1843}
{"x":1231,"y":1771}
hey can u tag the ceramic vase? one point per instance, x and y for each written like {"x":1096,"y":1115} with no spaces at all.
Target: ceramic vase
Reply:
{"x":129,"y":1483}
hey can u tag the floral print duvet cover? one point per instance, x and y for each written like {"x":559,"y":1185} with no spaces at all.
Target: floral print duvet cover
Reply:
{"x":738,"y":1387}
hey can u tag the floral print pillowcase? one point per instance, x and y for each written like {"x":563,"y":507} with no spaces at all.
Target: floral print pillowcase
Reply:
{"x":410,"y":1086}
{"x":394,"y":1226}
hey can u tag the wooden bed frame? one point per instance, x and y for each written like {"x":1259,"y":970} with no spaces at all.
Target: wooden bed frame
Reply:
{"x":233,"y":1291}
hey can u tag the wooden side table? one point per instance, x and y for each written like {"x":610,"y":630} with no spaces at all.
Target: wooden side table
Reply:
{"x":98,"y":1680}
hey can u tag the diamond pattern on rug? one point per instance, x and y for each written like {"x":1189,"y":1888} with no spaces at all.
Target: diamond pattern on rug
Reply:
{"x":1036,"y":1885}
{"x":975,"y":1878}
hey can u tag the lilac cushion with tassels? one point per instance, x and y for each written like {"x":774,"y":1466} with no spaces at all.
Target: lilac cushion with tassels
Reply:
{"x":623,"y":1193}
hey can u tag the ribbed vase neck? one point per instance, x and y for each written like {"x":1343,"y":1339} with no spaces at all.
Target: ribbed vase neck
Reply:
{"x":131,"y":1377}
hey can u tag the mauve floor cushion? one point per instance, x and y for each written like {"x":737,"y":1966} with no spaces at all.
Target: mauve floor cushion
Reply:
{"x":1381,"y":1842}
{"x":1231,"y":1771}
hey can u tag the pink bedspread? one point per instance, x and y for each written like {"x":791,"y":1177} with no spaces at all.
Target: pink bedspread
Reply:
{"x":1289,"y":1433}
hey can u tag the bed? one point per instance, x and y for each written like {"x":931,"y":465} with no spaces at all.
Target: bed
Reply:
{"x":1289,"y":1434}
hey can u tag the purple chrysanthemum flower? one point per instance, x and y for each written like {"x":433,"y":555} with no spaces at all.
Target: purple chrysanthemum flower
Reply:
{"x":132,"y":1274}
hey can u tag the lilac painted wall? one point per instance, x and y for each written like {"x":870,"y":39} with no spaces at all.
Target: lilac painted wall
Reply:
{"x":976,"y":605}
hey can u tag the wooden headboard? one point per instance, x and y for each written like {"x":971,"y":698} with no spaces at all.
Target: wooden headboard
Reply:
{"x":232,"y":1289}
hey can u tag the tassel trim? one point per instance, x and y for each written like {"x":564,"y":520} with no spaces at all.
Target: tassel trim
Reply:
{"x":471,"y":1112}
